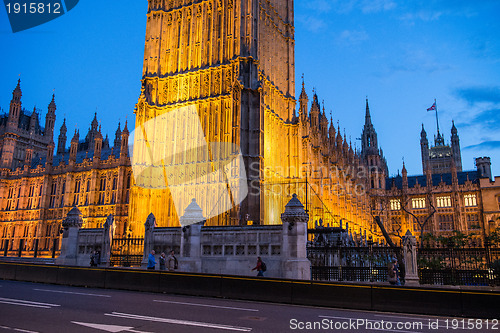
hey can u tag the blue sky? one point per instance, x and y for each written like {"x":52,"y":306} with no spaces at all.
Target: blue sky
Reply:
{"x":401,"y":54}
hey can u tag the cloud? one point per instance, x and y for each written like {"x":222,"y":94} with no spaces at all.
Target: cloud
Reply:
{"x":353,"y":36}
{"x":347,"y":6}
{"x":312,"y":23}
{"x":488,"y":119}
{"x":414,"y":59}
{"x":484,"y":145}
{"x":322,"y":6}
{"x":474,"y":95}
{"x":422,"y":15}
{"x":375,"y":6}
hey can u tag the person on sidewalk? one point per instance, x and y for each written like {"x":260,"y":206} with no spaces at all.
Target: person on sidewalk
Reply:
{"x":172,"y":261}
{"x":151,"y":260}
{"x":260,"y":267}
{"x":392,"y":273}
{"x":162,"y":261}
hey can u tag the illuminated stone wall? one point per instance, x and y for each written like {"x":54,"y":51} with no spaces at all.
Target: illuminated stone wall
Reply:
{"x":36,"y":198}
{"x":219,"y":57}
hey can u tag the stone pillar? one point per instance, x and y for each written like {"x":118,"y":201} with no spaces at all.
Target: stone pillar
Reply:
{"x":107,"y":239}
{"x":191,"y":223}
{"x":149,"y":228}
{"x":69,"y":244}
{"x":410,"y":259}
{"x":294,"y":262}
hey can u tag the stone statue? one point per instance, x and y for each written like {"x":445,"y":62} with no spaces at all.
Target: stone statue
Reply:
{"x":410,"y":258}
{"x":107,"y":240}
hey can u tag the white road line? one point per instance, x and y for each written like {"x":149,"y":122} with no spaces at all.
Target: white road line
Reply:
{"x":71,"y":292}
{"x":371,"y":329}
{"x":31,"y":305}
{"x":26,"y":303}
{"x":413,"y":318}
{"x":17,"y":329}
{"x":179,"y":322}
{"x":207,"y":305}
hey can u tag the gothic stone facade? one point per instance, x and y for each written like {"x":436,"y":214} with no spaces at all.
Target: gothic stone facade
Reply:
{"x":231,"y":61}
{"x":234,"y":62}
{"x":38,"y":190}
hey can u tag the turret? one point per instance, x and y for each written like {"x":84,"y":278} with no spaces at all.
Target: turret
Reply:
{"x":315,"y":113}
{"x":331,"y":134}
{"x":105,"y":143}
{"x":369,"y":144}
{"x":95,"y":123}
{"x":98,"y":145}
{"x":124,"y":143}
{"x":15,"y":106}
{"x":455,"y":147}
{"x":74,"y":146}
{"x":50,"y":119}
{"x":324,"y":124}
{"x":339,"y":138}
{"x":61,"y":141}
{"x":483,"y":166}
{"x":303,"y":101}
{"x":33,"y":121}
{"x":424,"y":149}
{"x":405,"y":177}
{"x":118,"y":138}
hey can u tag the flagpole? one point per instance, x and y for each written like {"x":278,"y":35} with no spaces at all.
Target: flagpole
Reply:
{"x":437,"y":121}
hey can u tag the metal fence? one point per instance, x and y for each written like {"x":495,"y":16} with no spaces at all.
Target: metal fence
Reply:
{"x":472,"y":266}
{"x":126,"y":252}
{"x":353,"y":263}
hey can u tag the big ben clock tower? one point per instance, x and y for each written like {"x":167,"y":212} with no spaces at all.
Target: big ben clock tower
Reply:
{"x":231,"y":63}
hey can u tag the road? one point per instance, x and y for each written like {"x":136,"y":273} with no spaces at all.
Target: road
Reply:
{"x":31,"y":307}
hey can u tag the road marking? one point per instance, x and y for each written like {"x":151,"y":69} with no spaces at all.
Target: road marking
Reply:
{"x":179,"y":322}
{"x":207,"y":305}
{"x":26,"y":303}
{"x":109,"y":328}
{"x":16,"y":329}
{"x":71,"y":292}
{"x":372,"y":329}
{"x":424,"y":318}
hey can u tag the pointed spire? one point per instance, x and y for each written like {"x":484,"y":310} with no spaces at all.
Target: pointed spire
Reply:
{"x":303,"y":94}
{"x":63,"y":127}
{"x":118,"y":130}
{"x":454,"y":130}
{"x":52,"y":104}
{"x":368,"y":118}
{"x":404,"y":169}
{"x":125,"y":129}
{"x":18,"y":87}
{"x":76,"y":136}
{"x":95,"y":123}
{"x":332,"y":129}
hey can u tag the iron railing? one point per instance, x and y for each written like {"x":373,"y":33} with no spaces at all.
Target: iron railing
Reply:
{"x":126,"y":251}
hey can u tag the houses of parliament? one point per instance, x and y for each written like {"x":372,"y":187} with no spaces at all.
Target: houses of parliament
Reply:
{"x":230,"y":63}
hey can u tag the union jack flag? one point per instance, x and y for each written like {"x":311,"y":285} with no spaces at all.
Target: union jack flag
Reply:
{"x":432,"y":108}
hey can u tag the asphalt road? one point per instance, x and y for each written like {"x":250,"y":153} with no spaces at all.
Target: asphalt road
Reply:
{"x":31,"y":307}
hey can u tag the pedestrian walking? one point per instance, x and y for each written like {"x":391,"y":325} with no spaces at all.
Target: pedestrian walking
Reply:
{"x":97,"y":258}
{"x":260,"y":267}
{"x":172,"y":262}
{"x":151,"y":260}
{"x":92,"y":259}
{"x":162,"y":261}
{"x":392,"y":273}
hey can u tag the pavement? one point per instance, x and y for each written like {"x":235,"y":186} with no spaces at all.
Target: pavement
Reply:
{"x":31,"y":307}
